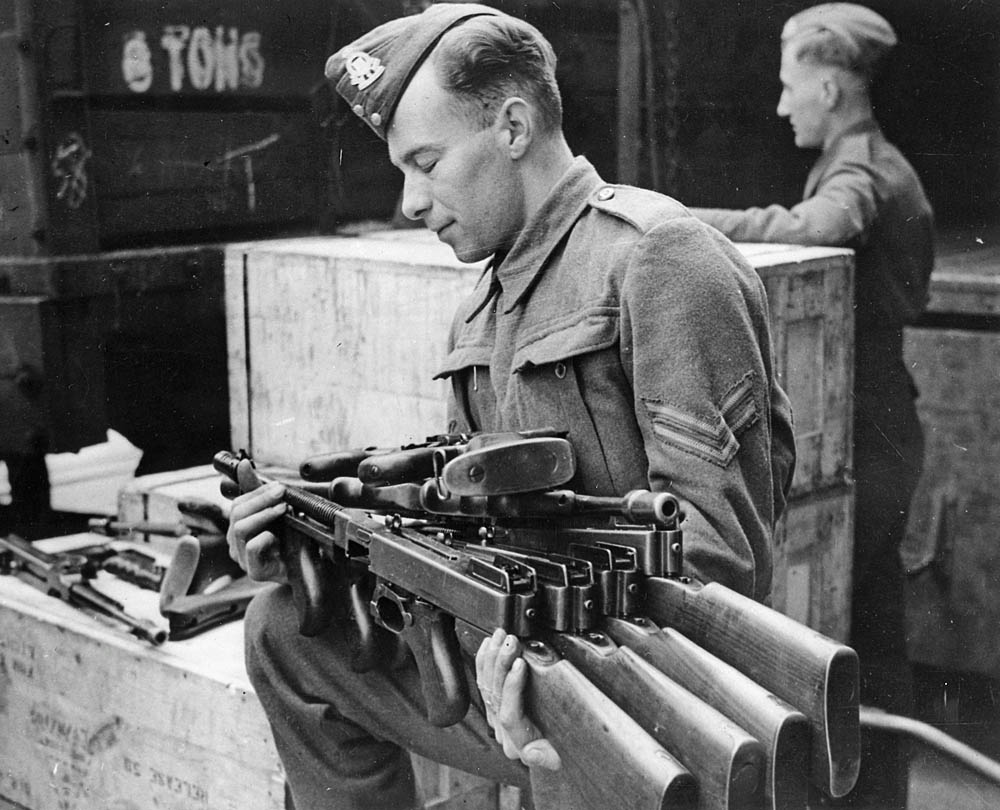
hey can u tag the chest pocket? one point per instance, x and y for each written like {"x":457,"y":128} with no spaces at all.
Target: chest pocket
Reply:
{"x":592,"y":331}
{"x":471,"y":406}
{"x":572,"y":377}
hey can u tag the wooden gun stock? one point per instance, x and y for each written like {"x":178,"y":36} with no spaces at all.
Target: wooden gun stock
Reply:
{"x":725,"y":760}
{"x":609,"y":759}
{"x":783,"y":730}
{"x":813,"y":673}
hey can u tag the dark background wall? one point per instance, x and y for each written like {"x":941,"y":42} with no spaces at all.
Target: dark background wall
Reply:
{"x":937,"y":97}
{"x":718,"y":137}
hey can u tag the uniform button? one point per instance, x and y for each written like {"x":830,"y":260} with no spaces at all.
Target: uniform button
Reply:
{"x":376,"y":120}
{"x":560,"y":370}
{"x":605,"y":194}
{"x":358,"y":109}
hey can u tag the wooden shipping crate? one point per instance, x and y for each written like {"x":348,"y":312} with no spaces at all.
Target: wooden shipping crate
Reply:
{"x":333,"y":343}
{"x":951,"y":549}
{"x":813,"y":552}
{"x":952,"y":539}
{"x":810,"y":294}
{"x":95,"y":719}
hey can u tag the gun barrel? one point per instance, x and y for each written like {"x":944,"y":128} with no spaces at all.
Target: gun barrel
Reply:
{"x":83,"y":595}
{"x":639,"y":506}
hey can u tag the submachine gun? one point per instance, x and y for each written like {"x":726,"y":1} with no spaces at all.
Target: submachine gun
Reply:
{"x":656,"y":690}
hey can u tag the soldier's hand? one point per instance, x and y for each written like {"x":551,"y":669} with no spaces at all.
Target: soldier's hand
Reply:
{"x":501,"y":675}
{"x":202,"y":517}
{"x":253,"y":545}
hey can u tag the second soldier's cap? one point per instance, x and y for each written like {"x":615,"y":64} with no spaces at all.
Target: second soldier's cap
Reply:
{"x":864,"y":35}
{"x":372,"y":72}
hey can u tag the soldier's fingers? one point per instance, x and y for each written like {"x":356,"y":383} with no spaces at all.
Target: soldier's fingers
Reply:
{"x":511,"y":711}
{"x":255,"y":500}
{"x":260,"y":520}
{"x":507,"y":653}
{"x":541,"y":754}
{"x":246,"y":477}
{"x":510,"y":749}
{"x":485,"y":666}
{"x":263,"y":558}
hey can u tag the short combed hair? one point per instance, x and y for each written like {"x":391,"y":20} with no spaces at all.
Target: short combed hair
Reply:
{"x":487,"y":60}
{"x":822,"y":46}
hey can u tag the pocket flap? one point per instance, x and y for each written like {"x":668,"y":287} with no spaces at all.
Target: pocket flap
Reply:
{"x":592,"y":331}
{"x":463,"y":357}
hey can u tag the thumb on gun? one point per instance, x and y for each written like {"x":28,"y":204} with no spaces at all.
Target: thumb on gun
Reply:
{"x":247,"y":476}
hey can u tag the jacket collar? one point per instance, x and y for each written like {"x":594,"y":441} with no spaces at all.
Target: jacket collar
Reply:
{"x":517,"y":272}
{"x":869,"y":125}
{"x":864,"y":125}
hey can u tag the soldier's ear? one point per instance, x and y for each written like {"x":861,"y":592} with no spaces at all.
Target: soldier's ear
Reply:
{"x":831,"y":91}
{"x":516,"y":126}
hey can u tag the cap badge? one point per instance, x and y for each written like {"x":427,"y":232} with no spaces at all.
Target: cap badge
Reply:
{"x":364,"y":69}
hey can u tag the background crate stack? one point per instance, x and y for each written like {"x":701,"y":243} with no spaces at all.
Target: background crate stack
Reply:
{"x":951,"y":549}
{"x":333,"y":343}
{"x":810,"y":295}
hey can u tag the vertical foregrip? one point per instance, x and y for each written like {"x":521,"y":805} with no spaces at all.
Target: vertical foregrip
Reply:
{"x":605,"y":754}
{"x":311,"y":576}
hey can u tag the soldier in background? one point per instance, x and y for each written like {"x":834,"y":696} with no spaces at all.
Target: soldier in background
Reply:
{"x":861,"y":194}
{"x":604,"y":310}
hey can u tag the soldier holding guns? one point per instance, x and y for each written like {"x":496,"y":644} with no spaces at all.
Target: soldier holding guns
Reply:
{"x":605,"y":310}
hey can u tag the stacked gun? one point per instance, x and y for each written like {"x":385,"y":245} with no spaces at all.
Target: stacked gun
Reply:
{"x":657,"y":691}
{"x":199,"y":589}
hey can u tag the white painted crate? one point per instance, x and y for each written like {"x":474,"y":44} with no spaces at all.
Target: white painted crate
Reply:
{"x":94,"y":719}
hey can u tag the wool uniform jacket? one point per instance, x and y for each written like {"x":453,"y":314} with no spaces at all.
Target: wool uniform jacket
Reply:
{"x":619,"y":317}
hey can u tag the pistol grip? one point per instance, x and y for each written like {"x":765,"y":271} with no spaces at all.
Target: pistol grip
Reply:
{"x":311,"y":575}
{"x":430,"y":634}
{"x":371,"y":646}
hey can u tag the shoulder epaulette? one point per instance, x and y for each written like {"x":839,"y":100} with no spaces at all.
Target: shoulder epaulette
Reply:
{"x":642,"y":208}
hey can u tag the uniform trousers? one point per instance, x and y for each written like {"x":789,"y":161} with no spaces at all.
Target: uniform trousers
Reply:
{"x":344,"y":737}
{"x":888,"y":461}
